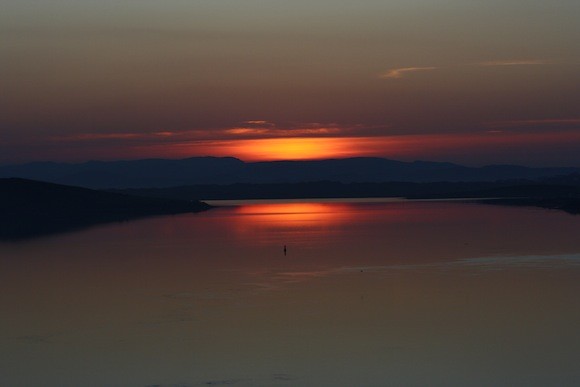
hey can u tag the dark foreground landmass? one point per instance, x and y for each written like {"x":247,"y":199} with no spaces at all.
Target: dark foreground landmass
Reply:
{"x":31,"y":208}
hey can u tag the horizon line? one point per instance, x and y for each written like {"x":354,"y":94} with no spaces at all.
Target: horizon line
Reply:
{"x":14,"y":164}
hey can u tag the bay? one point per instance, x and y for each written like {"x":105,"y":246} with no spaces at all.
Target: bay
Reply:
{"x":367,"y":293}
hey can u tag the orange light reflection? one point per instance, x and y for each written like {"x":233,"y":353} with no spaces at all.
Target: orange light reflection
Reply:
{"x":281,"y":223}
{"x":301,"y":213}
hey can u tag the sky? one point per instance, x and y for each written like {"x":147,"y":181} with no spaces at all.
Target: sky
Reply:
{"x":473,"y":82}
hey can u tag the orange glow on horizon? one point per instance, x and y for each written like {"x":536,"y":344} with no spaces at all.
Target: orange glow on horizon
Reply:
{"x":502,"y":145}
{"x":272,"y":149}
{"x":296,"y":148}
{"x":299,"y":148}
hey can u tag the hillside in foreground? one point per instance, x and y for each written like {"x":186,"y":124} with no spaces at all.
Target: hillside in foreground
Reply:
{"x":32,"y":208}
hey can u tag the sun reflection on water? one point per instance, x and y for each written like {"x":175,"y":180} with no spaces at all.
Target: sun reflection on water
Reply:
{"x":297,"y":223}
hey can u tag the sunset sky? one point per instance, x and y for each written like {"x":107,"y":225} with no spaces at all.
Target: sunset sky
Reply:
{"x":474,"y":82}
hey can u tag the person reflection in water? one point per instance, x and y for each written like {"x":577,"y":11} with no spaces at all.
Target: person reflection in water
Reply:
{"x":284,"y":249}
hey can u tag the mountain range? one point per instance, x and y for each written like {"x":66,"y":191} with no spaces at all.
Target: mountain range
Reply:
{"x":162,"y":173}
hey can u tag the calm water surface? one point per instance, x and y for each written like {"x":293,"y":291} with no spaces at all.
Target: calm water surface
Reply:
{"x":368,"y":294}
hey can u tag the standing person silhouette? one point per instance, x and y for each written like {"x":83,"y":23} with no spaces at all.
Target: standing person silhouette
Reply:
{"x":284,"y":249}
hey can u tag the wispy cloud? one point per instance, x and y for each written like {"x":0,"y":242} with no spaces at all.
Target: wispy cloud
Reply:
{"x":398,"y":73}
{"x":253,"y":129}
{"x":560,"y":122}
{"x":305,"y":130}
{"x":248,"y":131}
{"x":119,"y":137}
{"x":267,"y":129}
{"x":515,"y":62}
{"x":259,"y":122}
{"x":401,"y":72}
{"x":99,"y":136}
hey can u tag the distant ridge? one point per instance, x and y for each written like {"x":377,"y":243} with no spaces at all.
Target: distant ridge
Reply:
{"x":163,"y":173}
{"x":327,"y":189}
{"x":31,"y":208}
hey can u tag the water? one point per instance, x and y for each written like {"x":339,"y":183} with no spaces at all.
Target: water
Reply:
{"x":368,"y":294}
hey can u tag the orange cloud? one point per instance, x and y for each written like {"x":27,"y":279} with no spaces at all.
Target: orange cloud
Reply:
{"x":248,"y":131}
{"x":259,"y":122}
{"x":400,"y":72}
{"x":299,"y":132}
{"x":265,"y":129}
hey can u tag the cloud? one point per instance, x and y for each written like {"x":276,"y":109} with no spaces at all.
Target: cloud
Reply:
{"x":400,"y":72}
{"x":515,"y":62}
{"x":285,"y":132}
{"x":248,"y":131}
{"x":267,"y":129}
{"x":259,"y":122}
{"x":559,"y":122}
{"x":164,"y":134}
{"x":99,"y":136}
{"x":254,"y":129}
{"x":124,"y":137}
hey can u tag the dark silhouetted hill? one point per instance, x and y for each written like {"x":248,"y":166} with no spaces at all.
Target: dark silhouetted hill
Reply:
{"x":310,"y":190}
{"x":498,"y":190}
{"x":30,"y":208}
{"x":511,"y":192}
{"x":329,"y":189}
{"x":162,"y":173}
{"x":570,"y":205}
